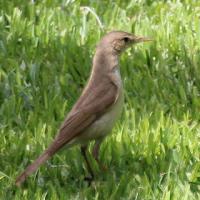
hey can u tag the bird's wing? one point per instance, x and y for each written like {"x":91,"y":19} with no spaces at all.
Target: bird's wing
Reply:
{"x":88,"y":108}
{"x":93,"y":105}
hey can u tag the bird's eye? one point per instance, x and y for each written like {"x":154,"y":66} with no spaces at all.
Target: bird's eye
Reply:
{"x":126,"y":39}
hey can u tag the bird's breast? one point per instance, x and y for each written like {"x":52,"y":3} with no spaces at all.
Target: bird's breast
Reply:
{"x":104,"y":124}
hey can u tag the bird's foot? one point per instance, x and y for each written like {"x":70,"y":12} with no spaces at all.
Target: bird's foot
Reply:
{"x":88,"y":179}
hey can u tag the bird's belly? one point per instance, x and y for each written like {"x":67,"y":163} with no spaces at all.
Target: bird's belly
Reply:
{"x":103,"y":125}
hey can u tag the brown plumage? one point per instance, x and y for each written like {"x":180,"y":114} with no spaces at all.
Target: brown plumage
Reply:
{"x":100,"y":104}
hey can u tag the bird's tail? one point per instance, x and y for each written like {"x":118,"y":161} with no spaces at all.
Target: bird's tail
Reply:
{"x":56,"y":145}
{"x":31,"y":168}
{"x":48,"y":153}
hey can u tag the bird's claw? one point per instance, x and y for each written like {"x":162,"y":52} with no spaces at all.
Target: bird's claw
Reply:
{"x":88,"y":179}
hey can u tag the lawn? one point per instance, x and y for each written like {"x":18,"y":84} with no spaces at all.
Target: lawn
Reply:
{"x":46,"y":50}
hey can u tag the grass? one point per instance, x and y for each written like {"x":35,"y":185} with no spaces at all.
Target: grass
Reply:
{"x":45,"y":57}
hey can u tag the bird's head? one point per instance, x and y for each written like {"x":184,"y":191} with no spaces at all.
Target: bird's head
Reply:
{"x":118,"y":41}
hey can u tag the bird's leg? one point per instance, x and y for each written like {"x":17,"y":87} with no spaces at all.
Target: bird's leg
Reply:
{"x":83,"y":151}
{"x":95,"y":154}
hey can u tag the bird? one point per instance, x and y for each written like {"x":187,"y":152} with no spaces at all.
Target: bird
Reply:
{"x":99,"y":106}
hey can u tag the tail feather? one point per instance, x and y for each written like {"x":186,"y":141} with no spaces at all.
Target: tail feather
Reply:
{"x":56,"y":145}
{"x":31,"y":168}
{"x":48,"y":153}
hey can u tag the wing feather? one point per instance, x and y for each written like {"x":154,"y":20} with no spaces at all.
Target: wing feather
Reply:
{"x":93,"y":106}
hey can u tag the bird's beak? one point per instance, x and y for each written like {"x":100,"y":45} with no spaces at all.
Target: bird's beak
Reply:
{"x":137,"y":39}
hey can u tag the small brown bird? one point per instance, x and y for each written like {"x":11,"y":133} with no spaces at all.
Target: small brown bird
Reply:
{"x":99,"y":106}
